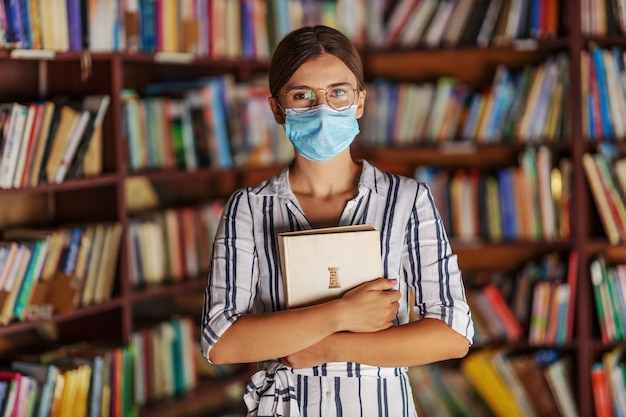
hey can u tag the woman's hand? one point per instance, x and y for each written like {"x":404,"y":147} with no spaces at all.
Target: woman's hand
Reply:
{"x":370,"y":307}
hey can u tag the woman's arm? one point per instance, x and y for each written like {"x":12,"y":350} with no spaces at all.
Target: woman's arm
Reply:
{"x":254,"y":337}
{"x":416,"y":343}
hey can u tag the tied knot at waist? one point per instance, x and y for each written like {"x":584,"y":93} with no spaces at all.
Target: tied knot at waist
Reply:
{"x":271,"y":390}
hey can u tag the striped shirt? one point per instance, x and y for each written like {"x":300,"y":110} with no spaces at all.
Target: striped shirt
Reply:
{"x":245,"y":276}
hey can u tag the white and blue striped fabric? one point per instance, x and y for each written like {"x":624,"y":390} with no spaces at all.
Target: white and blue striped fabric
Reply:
{"x":245,"y":277}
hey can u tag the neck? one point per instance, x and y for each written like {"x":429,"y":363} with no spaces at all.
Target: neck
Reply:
{"x":327,"y":178}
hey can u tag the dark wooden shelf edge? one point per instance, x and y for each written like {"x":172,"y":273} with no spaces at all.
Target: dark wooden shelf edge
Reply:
{"x":22,"y":326}
{"x":167,"y":289}
{"x":100,"y":181}
{"x":177,"y":174}
{"x":456,"y":154}
{"x":504,"y":256}
{"x":519,"y":45}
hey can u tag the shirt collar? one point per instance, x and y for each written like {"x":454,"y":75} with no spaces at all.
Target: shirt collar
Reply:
{"x":371,"y":178}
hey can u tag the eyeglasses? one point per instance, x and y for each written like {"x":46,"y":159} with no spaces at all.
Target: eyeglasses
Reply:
{"x":338,"y":97}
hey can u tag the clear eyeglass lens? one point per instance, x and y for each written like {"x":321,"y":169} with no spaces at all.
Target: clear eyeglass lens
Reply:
{"x":339,"y":98}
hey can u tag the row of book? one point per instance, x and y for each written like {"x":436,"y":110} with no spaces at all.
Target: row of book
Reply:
{"x":43,"y":272}
{"x":433,"y":23}
{"x":497,"y":382}
{"x":603,"y":90}
{"x":89,"y":380}
{"x":520,"y":105}
{"x":164,"y":362}
{"x":172,"y":244}
{"x":213,"y":28}
{"x":609,"y":291}
{"x":528,"y":202}
{"x":51,"y":141}
{"x":537,"y":301}
{"x":251,"y":28}
{"x":206,"y":122}
{"x":603,"y":17}
{"x":608,"y":383}
{"x":606,"y":175}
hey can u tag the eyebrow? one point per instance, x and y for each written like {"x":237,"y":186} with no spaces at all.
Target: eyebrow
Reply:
{"x":317,"y":89}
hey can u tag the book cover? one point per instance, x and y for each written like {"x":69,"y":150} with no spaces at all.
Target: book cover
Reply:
{"x":322,"y":264}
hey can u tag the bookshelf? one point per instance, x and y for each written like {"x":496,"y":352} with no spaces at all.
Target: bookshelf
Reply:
{"x":104,"y":198}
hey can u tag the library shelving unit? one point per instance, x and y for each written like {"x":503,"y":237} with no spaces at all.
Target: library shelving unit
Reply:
{"x":476,"y":66}
{"x":103,"y":199}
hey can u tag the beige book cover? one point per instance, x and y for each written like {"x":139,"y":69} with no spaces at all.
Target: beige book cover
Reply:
{"x":322,"y":264}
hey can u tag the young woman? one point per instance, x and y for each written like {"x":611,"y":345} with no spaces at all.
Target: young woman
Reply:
{"x":346,"y":357}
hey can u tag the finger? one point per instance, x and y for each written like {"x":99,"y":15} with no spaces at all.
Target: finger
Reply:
{"x":383,"y":284}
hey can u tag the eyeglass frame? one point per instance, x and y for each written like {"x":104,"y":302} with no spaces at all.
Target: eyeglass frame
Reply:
{"x":325,"y":90}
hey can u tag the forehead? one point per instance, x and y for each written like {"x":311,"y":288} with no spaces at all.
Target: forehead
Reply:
{"x":321,"y":72}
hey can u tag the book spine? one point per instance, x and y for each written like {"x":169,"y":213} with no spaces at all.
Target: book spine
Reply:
{"x":601,"y":391}
{"x":74,"y":25}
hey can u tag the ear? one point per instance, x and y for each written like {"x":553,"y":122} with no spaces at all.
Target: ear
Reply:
{"x":279,"y":114}
{"x":361,"y":105}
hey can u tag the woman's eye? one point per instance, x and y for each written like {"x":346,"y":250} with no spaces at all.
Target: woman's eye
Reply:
{"x":338,"y":93}
{"x":300,"y":95}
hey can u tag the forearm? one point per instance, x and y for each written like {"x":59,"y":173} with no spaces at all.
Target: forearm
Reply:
{"x":368,"y":308}
{"x":417,"y":343}
{"x":258,"y":337}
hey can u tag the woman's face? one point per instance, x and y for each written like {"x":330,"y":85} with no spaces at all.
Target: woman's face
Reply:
{"x":319,"y":74}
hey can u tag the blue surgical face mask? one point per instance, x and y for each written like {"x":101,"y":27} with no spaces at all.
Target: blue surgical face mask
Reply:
{"x":322,"y":132}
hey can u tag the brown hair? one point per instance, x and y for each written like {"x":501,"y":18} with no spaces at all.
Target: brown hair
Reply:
{"x":306,"y":43}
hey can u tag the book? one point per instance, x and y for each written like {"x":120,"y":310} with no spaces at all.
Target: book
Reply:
{"x":601,"y":199}
{"x":14,"y":281}
{"x":558,"y":376}
{"x":322,"y":264}
{"x":76,"y":137}
{"x":31,"y":113}
{"x":68,"y":123}
{"x":601,"y":390}
{"x":11,"y":146}
{"x":45,"y":375}
{"x":532,"y":378}
{"x":87,"y":159}
{"x":39,"y":144}
{"x":480,"y":370}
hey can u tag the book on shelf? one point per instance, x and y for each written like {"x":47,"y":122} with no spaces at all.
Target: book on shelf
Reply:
{"x":13,"y":133}
{"x":603,"y":404}
{"x":14,"y":379}
{"x":322,"y":264}
{"x":531,"y":377}
{"x":45,"y":376}
{"x":84,"y":155}
{"x":604,"y":200}
{"x":558,"y":374}
{"x":479,"y":368}
{"x":615,"y":367}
